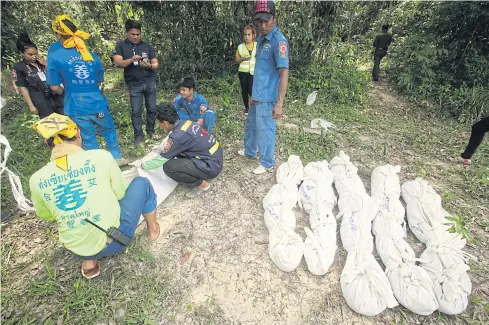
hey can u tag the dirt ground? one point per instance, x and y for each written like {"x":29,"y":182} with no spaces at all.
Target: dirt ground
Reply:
{"x":216,"y":247}
{"x":222,"y":253}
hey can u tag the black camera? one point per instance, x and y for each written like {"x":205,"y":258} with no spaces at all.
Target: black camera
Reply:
{"x":48,"y":93}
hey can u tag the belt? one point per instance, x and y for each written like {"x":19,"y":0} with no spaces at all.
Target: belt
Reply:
{"x":255,"y":102}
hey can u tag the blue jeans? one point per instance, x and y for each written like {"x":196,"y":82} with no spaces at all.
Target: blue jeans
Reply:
{"x":209,"y":119}
{"x":140,"y":198}
{"x":89,"y":125}
{"x":137,"y":93}
{"x":260,"y":131}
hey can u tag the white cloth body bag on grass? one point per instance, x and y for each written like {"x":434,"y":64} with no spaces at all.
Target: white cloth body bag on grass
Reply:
{"x":365,"y":286}
{"x":292,"y":170}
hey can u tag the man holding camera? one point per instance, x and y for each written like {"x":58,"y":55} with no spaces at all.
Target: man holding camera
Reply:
{"x":81,"y":73}
{"x":139,"y":61}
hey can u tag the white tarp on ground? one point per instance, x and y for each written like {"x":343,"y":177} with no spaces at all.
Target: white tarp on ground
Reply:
{"x":162,"y":184}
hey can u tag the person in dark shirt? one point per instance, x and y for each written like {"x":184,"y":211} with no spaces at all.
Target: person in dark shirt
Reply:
{"x":191,"y":156}
{"x":381,"y":44}
{"x":30,"y":76}
{"x":139,"y":61}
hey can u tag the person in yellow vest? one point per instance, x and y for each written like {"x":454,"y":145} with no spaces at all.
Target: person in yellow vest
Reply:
{"x":85,"y":193}
{"x":246,"y":57}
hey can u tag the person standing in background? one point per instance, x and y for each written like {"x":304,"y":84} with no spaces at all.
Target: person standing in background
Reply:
{"x":246,"y":57}
{"x":479,"y":130}
{"x":81,"y":73}
{"x":138,"y":59}
{"x":381,"y":45}
{"x":30,"y":76}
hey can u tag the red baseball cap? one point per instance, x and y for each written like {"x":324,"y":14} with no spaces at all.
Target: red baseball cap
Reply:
{"x":264,"y":10}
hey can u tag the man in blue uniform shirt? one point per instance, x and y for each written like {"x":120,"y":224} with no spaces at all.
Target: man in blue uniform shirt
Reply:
{"x":192,"y":106}
{"x":81,"y":72}
{"x":191,"y":156}
{"x":269,"y":88}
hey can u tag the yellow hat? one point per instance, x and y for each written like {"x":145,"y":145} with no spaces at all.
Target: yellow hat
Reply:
{"x":55,"y":125}
{"x":76,"y":39}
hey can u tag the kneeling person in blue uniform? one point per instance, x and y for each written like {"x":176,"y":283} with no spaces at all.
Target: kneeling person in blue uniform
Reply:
{"x":191,"y":155}
{"x":192,"y":106}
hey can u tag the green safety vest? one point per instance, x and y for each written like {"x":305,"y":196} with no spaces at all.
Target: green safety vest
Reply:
{"x":247,"y":66}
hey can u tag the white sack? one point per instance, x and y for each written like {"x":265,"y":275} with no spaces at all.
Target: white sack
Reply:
{"x":345,"y":175}
{"x":413,"y":288}
{"x":451,"y":288}
{"x":444,"y":251}
{"x":320,"y":214}
{"x":391,"y":204}
{"x":393,"y":250}
{"x":285,"y":193}
{"x":385,"y":181}
{"x":355,"y":234}
{"x":320,"y":248}
{"x":387,"y":224}
{"x":292,"y":170}
{"x":365,"y":286}
{"x":279,"y":215}
{"x":319,"y":171}
{"x":359,"y":204}
{"x":320,"y":193}
{"x":285,"y":248}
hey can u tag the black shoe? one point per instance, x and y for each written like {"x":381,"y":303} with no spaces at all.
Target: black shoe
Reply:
{"x":138,"y":141}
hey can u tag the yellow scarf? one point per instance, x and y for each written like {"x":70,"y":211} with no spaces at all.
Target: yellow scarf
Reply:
{"x":76,"y":39}
{"x":53,"y":126}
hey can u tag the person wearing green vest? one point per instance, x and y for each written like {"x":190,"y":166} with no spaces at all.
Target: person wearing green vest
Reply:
{"x":246,"y":57}
{"x":81,"y":190}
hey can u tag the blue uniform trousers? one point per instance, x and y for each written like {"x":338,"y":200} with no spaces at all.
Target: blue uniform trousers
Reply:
{"x":90,"y":124}
{"x":260,"y":131}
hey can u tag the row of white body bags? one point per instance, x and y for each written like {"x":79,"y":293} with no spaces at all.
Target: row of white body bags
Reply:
{"x":364,"y":284}
{"x":443,"y":259}
{"x":285,"y":245}
{"x":410,"y":283}
{"x":317,"y":198}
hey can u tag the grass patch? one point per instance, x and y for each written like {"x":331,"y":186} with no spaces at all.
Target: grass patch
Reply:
{"x":133,"y":288}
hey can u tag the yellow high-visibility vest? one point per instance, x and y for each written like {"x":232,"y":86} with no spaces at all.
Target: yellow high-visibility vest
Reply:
{"x":247,"y":66}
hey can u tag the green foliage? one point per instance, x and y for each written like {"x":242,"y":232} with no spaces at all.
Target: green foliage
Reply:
{"x":439,"y":55}
{"x":458,"y":226}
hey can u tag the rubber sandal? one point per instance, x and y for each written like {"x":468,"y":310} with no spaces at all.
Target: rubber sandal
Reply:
{"x":159,"y":232}
{"x":91,"y":273}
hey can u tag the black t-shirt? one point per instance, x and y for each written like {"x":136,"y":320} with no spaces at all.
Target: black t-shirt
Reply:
{"x":28,"y":75}
{"x":135,"y":74}
{"x":382,"y":41}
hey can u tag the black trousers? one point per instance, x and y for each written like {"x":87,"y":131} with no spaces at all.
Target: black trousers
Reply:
{"x":185,"y":172}
{"x":479,"y":129}
{"x":246,"y":82}
{"x":378,"y":56}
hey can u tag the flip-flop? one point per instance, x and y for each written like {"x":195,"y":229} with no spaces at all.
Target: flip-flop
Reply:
{"x":91,"y":273}
{"x":159,"y":231}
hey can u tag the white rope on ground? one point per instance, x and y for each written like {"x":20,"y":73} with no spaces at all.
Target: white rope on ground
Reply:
{"x":23,"y":203}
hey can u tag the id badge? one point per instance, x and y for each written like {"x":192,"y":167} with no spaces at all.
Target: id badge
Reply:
{"x":41,"y":75}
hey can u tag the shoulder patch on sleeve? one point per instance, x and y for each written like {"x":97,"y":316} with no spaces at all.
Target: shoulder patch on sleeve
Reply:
{"x":168,"y":145}
{"x":282,"y":46}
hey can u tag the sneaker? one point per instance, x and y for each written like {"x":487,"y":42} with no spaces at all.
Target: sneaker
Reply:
{"x":241,"y":152}
{"x":466,"y":162}
{"x":261,"y":170}
{"x":122,"y":162}
{"x":138,"y":141}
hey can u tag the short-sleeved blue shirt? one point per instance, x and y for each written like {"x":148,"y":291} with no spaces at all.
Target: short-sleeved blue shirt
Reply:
{"x":80,"y":80}
{"x":190,"y":110}
{"x":272,"y":53}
